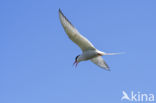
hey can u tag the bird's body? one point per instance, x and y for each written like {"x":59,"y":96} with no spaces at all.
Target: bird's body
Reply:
{"x":89,"y":54}
{"x":89,"y":51}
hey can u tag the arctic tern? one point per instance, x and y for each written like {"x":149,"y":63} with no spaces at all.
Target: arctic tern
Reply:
{"x":89,"y":51}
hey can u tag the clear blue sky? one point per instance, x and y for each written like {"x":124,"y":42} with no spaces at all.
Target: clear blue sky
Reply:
{"x":36,"y":55}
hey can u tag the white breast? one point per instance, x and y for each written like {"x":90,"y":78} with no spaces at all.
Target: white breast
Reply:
{"x":89,"y":54}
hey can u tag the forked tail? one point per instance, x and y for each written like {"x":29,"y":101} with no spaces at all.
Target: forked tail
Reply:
{"x":113,"y":53}
{"x":103,"y":53}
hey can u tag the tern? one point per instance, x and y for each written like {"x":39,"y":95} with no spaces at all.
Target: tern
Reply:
{"x":89,"y":52}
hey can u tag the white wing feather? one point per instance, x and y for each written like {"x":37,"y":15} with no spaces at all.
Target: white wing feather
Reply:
{"x":100,"y":62}
{"x":74,"y":35}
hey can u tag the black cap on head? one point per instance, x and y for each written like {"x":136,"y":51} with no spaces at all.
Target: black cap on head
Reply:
{"x":76,"y":57}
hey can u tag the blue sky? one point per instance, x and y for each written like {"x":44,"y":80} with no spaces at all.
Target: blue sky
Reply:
{"x":36,"y":55}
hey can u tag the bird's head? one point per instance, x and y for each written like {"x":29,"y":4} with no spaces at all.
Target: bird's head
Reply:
{"x":76,"y":60}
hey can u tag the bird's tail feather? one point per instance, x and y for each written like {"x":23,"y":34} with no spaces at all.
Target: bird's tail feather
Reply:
{"x":113,"y":53}
{"x":103,"y":53}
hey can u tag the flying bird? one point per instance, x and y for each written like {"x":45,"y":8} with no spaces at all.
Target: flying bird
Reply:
{"x":89,"y":52}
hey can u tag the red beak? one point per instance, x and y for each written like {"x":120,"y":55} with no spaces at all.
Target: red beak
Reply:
{"x":75,"y":63}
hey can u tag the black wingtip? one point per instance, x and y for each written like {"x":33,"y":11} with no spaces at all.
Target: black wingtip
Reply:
{"x":109,"y":69}
{"x":59,"y":10}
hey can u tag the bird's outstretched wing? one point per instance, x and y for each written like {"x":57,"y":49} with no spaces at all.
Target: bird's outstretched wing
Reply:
{"x":100,"y":62}
{"x":74,"y":35}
